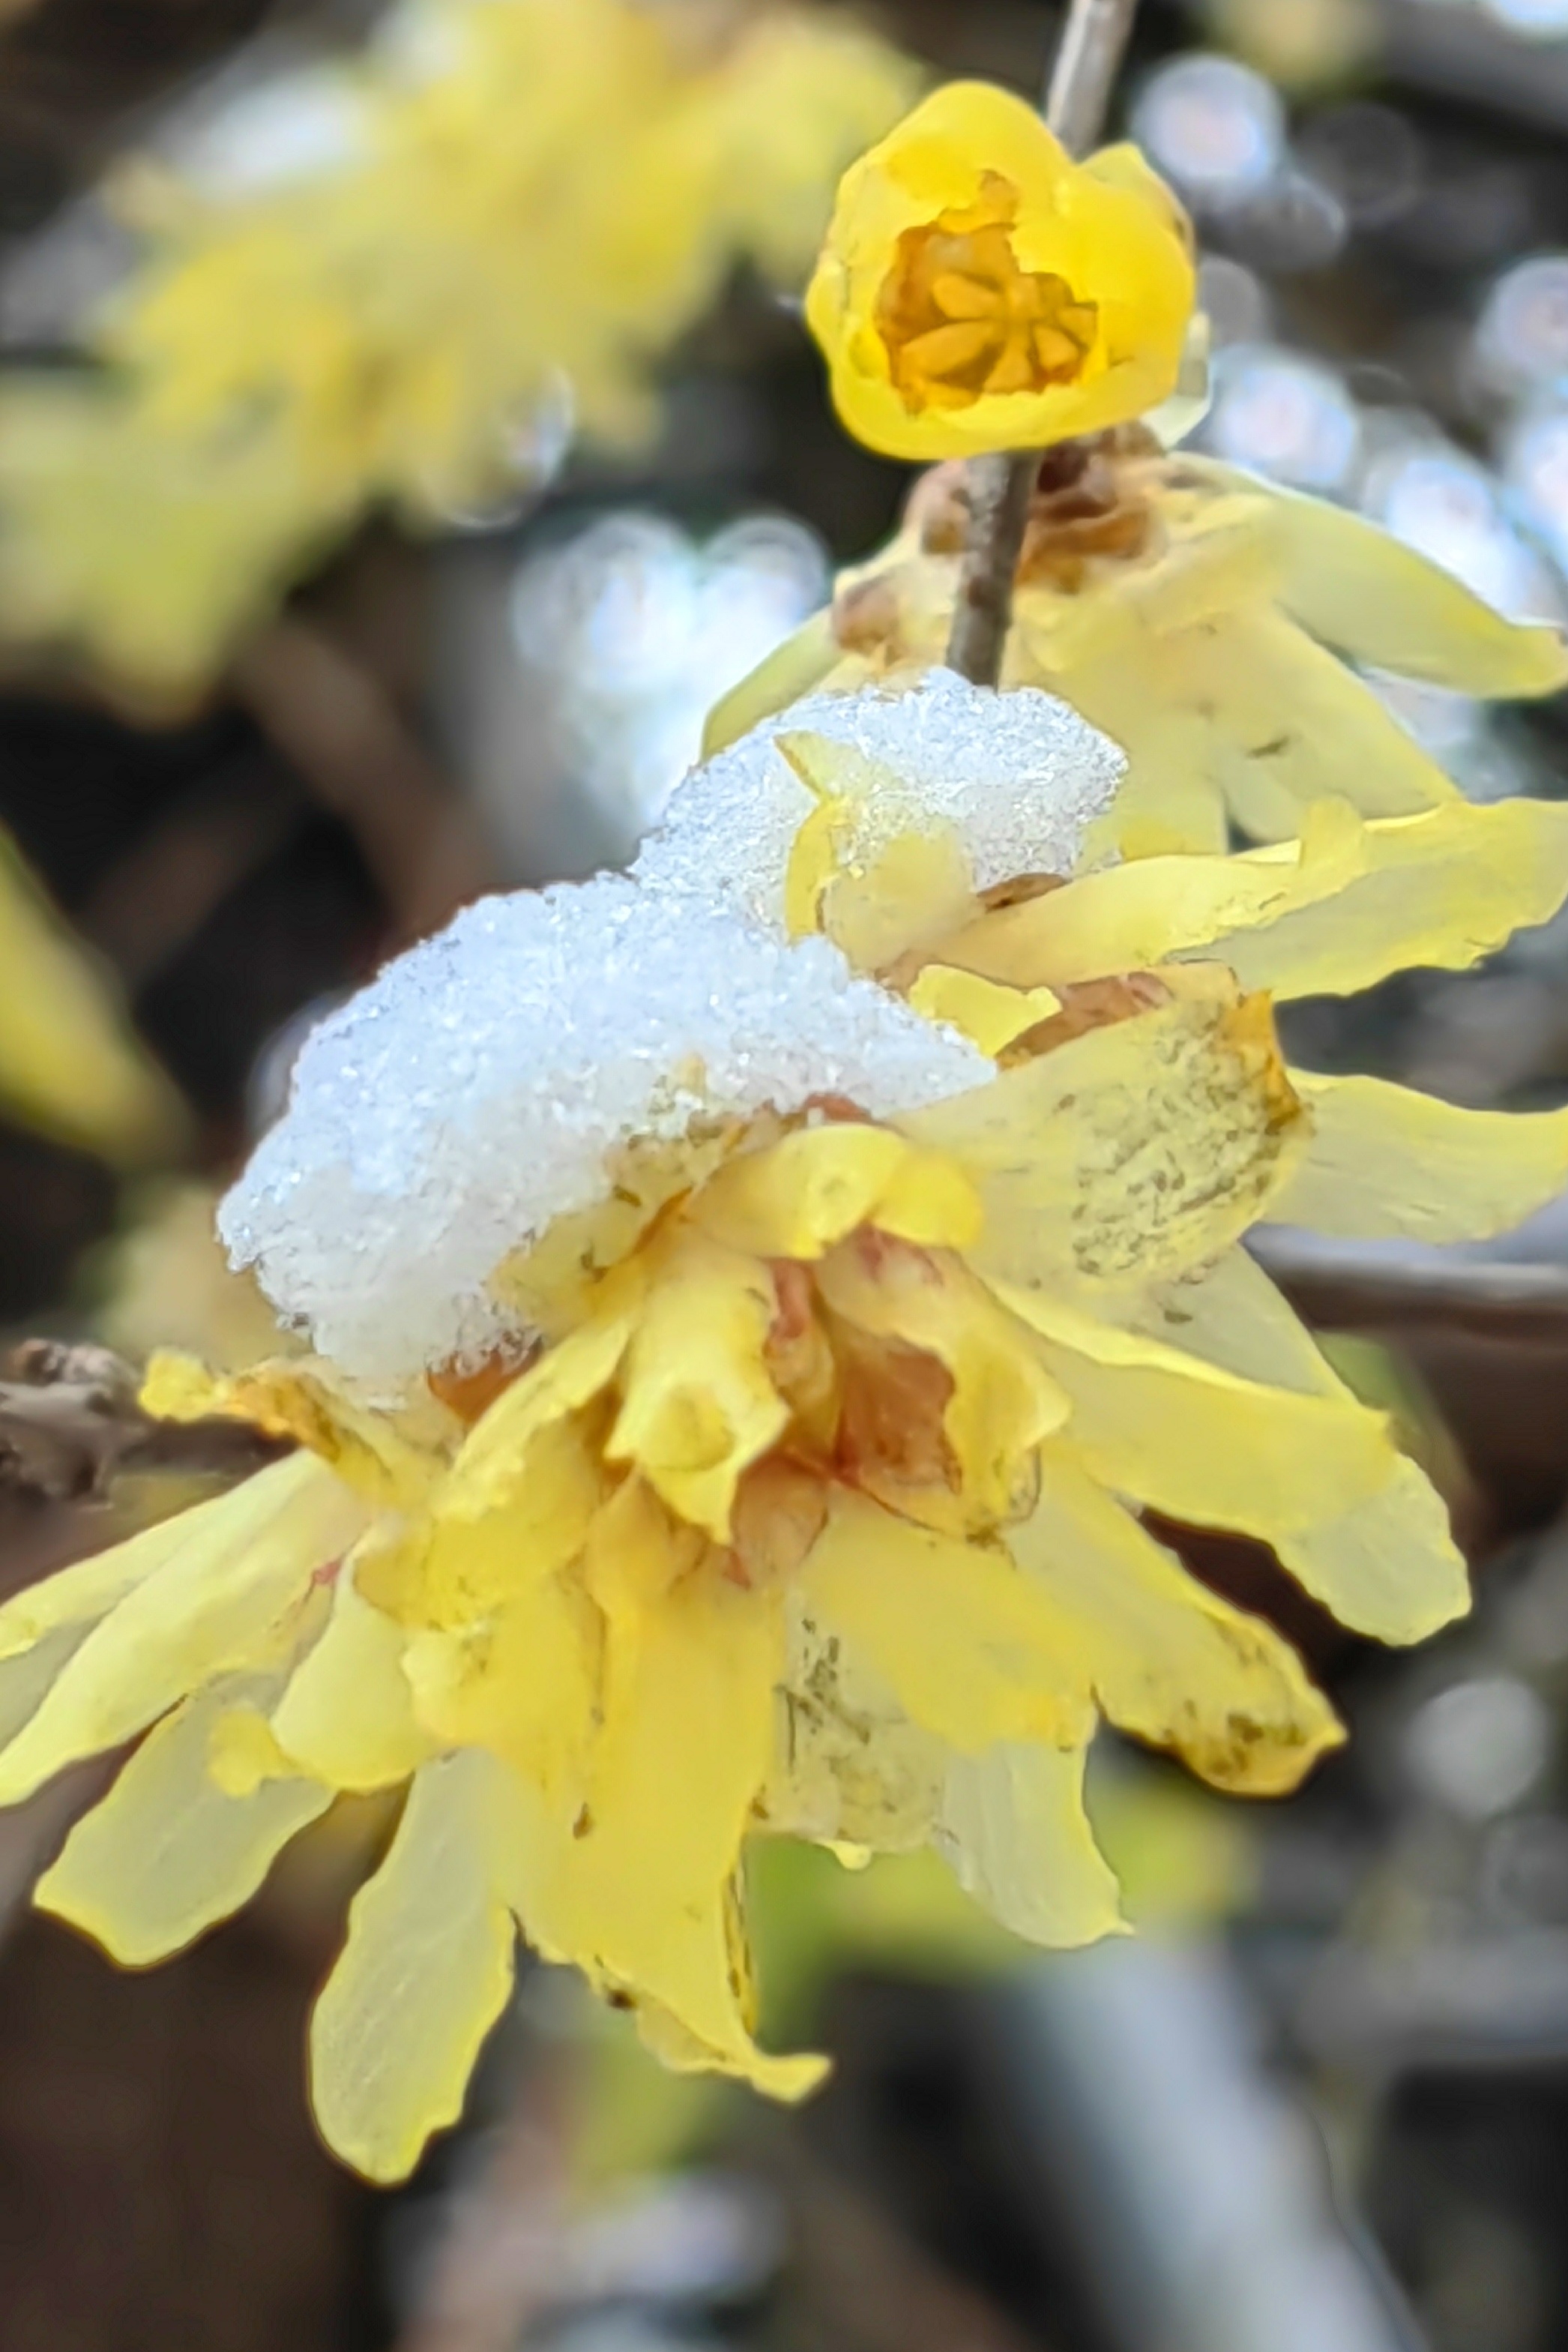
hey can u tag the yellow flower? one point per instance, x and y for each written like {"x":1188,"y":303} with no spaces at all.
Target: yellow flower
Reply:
{"x":740,"y":1381}
{"x":525,"y":206}
{"x":979,"y":291}
{"x":1204,"y":619}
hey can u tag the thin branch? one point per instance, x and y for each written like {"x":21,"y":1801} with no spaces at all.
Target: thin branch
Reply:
{"x":1344,"y":1290}
{"x":1087,"y":57}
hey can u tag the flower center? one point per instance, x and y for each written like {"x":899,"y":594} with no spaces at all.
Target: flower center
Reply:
{"x":961,"y":319}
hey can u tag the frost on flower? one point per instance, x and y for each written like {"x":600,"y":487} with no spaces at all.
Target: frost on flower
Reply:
{"x":486,"y":1083}
{"x":734,"y":1403}
{"x":1013,"y":779}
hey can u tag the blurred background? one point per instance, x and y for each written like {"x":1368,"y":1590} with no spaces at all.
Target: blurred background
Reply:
{"x":372,"y":534}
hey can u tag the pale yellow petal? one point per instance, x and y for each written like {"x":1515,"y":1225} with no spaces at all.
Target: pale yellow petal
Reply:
{"x":1385,"y":1160}
{"x":1128,"y":1154}
{"x":494,"y":1465}
{"x":800,"y":1196}
{"x":225,"y":1595}
{"x":422,"y":1978}
{"x":967,"y":1641}
{"x":1014,"y":1828}
{"x":1442,"y":888}
{"x":524,"y":1683}
{"x":467,"y":1559}
{"x":990,"y":1015}
{"x":167,"y":1852}
{"x":790,"y":671}
{"x":347,"y":1715}
{"x":698,"y":1403}
{"x":1166,"y":1658}
{"x":301,"y":1399}
{"x":1199,"y":1443}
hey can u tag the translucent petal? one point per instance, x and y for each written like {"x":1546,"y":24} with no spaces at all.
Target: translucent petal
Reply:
{"x":1014,"y":1828}
{"x":1165,"y":1657}
{"x":473,"y":1561}
{"x":524,"y":1683}
{"x":422,"y":1977}
{"x":1128,"y":1154}
{"x":991,"y":1017}
{"x":1388,"y":1566}
{"x":1199,"y":1443}
{"x":1002,"y":1403}
{"x":1444,"y":889}
{"x":792,"y":671}
{"x":1385,"y":1160}
{"x":698,"y":1404}
{"x":167,"y":1852}
{"x":225,"y":1596}
{"x":798,"y":1197}
{"x":969,"y":1645}
{"x":347,"y":1715}
{"x":1364,"y":592}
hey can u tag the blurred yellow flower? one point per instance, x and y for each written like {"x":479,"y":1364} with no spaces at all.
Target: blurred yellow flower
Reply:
{"x":1205,"y":619}
{"x":70,"y":1064}
{"x":979,"y":291}
{"x":520,"y":208}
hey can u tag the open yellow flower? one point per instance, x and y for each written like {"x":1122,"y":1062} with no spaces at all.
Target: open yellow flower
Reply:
{"x":979,"y":291}
{"x":737,"y":1381}
{"x":1205,"y":620}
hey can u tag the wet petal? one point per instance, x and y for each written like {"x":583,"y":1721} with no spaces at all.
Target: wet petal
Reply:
{"x":422,"y":1978}
{"x":167,"y":1852}
{"x":968,"y":1644}
{"x":224,"y":1596}
{"x":1014,"y":1828}
{"x":1385,"y":1160}
{"x":1129,"y":1154}
{"x":1165,"y":1657}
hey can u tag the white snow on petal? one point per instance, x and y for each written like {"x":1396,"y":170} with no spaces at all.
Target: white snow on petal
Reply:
{"x":1018,"y":774}
{"x":472,"y":1092}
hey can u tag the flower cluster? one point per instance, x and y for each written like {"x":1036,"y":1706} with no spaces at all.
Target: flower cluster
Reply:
{"x":742,"y":1313}
{"x":486,"y":233}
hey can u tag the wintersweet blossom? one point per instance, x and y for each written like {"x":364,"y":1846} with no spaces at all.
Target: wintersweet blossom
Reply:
{"x":1205,"y":619}
{"x":979,"y":291}
{"x":477,"y":238}
{"x":732,"y":1380}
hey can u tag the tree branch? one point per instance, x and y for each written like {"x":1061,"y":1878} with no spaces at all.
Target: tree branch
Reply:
{"x":1087,"y":57}
{"x":70,"y":1424}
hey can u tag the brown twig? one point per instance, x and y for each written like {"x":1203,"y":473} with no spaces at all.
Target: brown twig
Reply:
{"x":1087,"y":57}
{"x":1348,"y":1291}
{"x":343,"y":733}
{"x":70,"y":1424}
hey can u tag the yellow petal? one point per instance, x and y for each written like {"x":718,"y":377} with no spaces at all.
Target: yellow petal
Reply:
{"x":1444,"y":889}
{"x":224,"y":1594}
{"x":870,"y":868}
{"x":1388,"y":1565}
{"x":1128,"y":1154}
{"x":422,"y":1977}
{"x":1003,"y":1401}
{"x":524,"y":1685}
{"x":1385,"y":1160}
{"x":167,"y":1852}
{"x":991,"y":1017}
{"x":1014,"y":1827}
{"x":495,"y":1464}
{"x":1199,"y":1443}
{"x":698,"y":1404}
{"x":302,"y":1401}
{"x":800,"y":1196}
{"x":1165,"y":1657}
{"x":968,"y":1644}
{"x":1364,"y":592}
{"x":469,"y":1560}
{"x":347,"y":1715}
{"x":787,"y":675}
